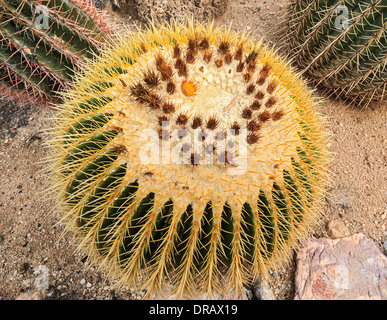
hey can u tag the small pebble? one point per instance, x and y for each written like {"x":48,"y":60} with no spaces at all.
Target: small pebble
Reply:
{"x":24,"y":267}
{"x":385,"y":247}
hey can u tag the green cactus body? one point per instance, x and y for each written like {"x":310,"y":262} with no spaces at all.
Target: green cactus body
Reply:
{"x":182,"y":224}
{"x":42,"y":44}
{"x":342,"y":46}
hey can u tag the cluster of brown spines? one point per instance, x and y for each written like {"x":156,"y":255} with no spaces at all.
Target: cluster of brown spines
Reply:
{"x":248,"y":66}
{"x":143,"y":92}
{"x":253,"y":89}
{"x":202,"y":129}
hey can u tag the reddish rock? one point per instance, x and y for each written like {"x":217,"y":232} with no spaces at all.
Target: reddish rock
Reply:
{"x":351,"y":268}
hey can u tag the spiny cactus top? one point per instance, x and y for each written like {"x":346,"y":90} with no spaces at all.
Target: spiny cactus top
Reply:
{"x":342,"y":46}
{"x":42,"y":44}
{"x":185,"y":155}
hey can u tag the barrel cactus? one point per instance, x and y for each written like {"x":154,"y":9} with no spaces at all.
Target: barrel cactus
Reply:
{"x":187,"y":158}
{"x":342,"y":46}
{"x":42,"y":44}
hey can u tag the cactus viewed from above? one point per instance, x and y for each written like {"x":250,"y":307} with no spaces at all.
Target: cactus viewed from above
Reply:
{"x":43,"y":43}
{"x":185,"y":155}
{"x":342,"y":46}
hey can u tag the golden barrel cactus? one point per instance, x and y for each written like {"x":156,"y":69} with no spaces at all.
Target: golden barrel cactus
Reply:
{"x":187,"y":158}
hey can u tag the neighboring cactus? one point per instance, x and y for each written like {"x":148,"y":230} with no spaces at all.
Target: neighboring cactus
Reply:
{"x":161,"y":224}
{"x":42,"y":44}
{"x":347,"y":57}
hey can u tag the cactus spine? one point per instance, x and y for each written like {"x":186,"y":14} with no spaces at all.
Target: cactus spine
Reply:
{"x":342,"y":46}
{"x":42,"y":44}
{"x":181,"y":221}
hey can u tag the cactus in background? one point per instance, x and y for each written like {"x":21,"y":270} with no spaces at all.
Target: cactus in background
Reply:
{"x":186,"y":155}
{"x":43,"y":43}
{"x":342,"y":46}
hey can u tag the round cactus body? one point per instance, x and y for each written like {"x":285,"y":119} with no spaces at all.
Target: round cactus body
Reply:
{"x":186,"y":155}
{"x":342,"y":46}
{"x":43,"y":43}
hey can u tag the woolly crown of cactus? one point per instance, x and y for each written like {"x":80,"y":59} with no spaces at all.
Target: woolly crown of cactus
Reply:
{"x":187,"y":158}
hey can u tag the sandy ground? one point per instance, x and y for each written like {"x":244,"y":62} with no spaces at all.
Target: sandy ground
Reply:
{"x":29,"y":232}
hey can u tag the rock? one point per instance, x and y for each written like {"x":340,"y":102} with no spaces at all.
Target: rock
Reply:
{"x":385,"y":247}
{"x":99,"y":4}
{"x":179,"y":10}
{"x":42,"y":277}
{"x":262,"y":290}
{"x":351,"y":268}
{"x":337,"y":229}
{"x":27,"y":283}
{"x":24,"y":267}
{"x":342,"y":197}
{"x":33,"y":295}
{"x":249,"y":294}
